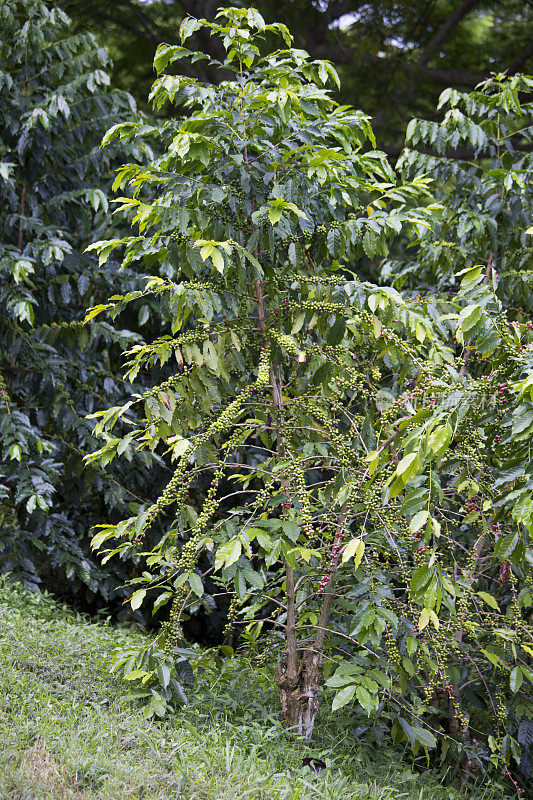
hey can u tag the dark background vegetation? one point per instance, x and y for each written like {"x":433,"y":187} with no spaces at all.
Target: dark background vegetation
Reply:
{"x":394,"y":58}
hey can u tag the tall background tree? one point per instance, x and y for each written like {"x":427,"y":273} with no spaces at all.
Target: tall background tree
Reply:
{"x":394,"y":58}
{"x":55,"y":105}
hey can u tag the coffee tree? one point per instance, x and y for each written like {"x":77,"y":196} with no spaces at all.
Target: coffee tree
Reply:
{"x":321,"y":417}
{"x":55,"y":105}
{"x":480,"y":156}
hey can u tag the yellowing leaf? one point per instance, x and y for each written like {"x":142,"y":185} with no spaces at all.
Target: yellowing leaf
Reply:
{"x":137,"y":598}
{"x":423,"y":619}
{"x":440,"y":438}
{"x":373,"y":459}
{"x":408,"y":467}
{"x":135,"y":674}
{"x":275,"y":214}
{"x":471,"y":275}
{"x":218,"y":260}
{"x":228,"y":554}
{"x":435,"y":620}
{"x":469,"y":317}
{"x":418,"y":520}
{"x":206,"y":251}
{"x":356,"y":548}
{"x":93,"y":312}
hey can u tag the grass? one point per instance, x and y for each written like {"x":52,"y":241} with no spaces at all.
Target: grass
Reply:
{"x":68,"y":731}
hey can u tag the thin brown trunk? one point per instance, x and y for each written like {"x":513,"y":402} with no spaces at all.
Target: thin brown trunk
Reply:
{"x":289,"y":669}
{"x":22,"y":210}
{"x":446,"y":30}
{"x":299,"y":690}
{"x":455,"y":726}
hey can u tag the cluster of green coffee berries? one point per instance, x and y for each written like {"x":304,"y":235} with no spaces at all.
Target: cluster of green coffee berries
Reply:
{"x":178,"y":485}
{"x":509,"y":348}
{"x":187,"y":560}
{"x":392,"y":648}
{"x":303,"y":496}
{"x":321,"y":306}
{"x":169,"y":384}
{"x":263,"y":370}
{"x":343,"y":445}
{"x":230,"y":622}
{"x":331,"y":280}
{"x":408,"y":348}
{"x":288,"y":344}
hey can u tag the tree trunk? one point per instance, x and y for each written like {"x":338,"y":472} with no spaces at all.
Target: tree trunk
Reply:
{"x":299,"y":677}
{"x":299,"y":693}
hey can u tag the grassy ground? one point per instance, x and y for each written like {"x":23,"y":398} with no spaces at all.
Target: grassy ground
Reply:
{"x":68,"y":731}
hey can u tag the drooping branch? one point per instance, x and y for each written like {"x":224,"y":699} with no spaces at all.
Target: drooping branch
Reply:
{"x":21,"y":216}
{"x":457,"y":154}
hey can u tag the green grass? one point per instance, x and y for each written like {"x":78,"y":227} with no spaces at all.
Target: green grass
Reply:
{"x":67,"y":730}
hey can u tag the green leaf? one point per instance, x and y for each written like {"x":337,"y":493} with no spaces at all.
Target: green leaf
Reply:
{"x":195,"y":582}
{"x":489,"y":599}
{"x":365,"y":699}
{"x":493,"y":658}
{"x":515,"y":679}
{"x":188,"y":27}
{"x":425,"y":737}
{"x":290,"y":529}
{"x":227,"y":554}
{"x":506,"y":545}
{"x":162,"y":600}
{"x":344,"y":696}
{"x":421,"y":578}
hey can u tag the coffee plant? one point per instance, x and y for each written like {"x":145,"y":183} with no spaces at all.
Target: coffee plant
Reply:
{"x":486,"y":195}
{"x":337,"y":445}
{"x":55,"y":105}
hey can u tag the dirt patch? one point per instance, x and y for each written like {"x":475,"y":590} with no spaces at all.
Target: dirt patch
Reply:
{"x":40,"y":771}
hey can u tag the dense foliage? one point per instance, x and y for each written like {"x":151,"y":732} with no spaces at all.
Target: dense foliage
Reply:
{"x":394,"y":56}
{"x":349,"y":448}
{"x":55,"y":105}
{"x":486,"y":197}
